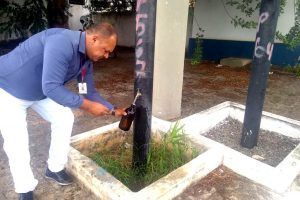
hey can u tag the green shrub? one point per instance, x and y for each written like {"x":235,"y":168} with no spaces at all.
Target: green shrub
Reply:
{"x":198,"y":51}
{"x":293,"y":69}
{"x":167,"y":152}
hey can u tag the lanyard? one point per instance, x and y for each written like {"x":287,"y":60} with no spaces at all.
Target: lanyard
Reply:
{"x":83,"y":68}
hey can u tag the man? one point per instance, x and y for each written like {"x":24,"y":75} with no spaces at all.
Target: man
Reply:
{"x":33,"y":75}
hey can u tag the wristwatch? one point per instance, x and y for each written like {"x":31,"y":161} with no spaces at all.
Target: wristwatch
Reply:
{"x":113,"y":111}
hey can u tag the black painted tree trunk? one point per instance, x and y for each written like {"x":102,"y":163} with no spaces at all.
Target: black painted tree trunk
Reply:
{"x":269,"y":12}
{"x":145,"y":40}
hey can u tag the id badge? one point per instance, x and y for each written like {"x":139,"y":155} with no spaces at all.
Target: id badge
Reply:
{"x":82,"y":88}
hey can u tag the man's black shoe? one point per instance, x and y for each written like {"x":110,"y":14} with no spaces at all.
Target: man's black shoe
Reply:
{"x":26,"y":196}
{"x":61,"y":177}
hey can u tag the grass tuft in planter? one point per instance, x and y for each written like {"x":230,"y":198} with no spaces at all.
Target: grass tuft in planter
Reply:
{"x":167,"y":152}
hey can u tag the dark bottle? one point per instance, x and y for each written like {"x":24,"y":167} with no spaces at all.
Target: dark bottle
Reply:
{"x":126,"y":120}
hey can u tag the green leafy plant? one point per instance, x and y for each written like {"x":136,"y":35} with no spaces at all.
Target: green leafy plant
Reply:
{"x":22,"y":19}
{"x":106,"y":8}
{"x":111,"y":6}
{"x":292,"y":38}
{"x":167,"y":152}
{"x":249,"y":7}
{"x":293,"y":69}
{"x":28,"y":17}
{"x":198,"y":50}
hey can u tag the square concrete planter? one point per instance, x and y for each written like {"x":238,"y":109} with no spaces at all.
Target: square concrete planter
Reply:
{"x":106,"y":186}
{"x":278,"y":179}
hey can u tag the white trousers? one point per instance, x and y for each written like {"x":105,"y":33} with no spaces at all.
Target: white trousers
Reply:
{"x":13,"y":126}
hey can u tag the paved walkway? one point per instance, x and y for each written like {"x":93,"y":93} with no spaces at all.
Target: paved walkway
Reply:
{"x":204,"y":86}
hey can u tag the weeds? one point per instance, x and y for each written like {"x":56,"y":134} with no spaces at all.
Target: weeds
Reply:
{"x":198,"y":51}
{"x":167,"y":152}
{"x":293,"y":69}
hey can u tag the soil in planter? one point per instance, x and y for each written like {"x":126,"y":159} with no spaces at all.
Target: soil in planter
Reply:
{"x":223,"y":183}
{"x":113,"y":152}
{"x":271,"y":147}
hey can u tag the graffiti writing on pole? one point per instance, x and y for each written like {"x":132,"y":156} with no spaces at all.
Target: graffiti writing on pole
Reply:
{"x":260,"y":51}
{"x":140,"y":30}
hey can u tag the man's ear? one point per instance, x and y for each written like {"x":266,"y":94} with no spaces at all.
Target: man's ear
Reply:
{"x":94,"y":38}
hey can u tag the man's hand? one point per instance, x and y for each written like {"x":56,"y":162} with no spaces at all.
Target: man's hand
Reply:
{"x":95,"y":108}
{"x":119,"y":112}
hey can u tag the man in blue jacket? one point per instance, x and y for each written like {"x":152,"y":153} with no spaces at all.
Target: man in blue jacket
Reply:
{"x":34,"y":75}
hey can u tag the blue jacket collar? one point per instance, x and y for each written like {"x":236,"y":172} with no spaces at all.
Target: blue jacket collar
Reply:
{"x":82,"y":43}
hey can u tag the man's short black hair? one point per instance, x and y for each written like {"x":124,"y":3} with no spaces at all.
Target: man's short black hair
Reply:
{"x":104,"y":29}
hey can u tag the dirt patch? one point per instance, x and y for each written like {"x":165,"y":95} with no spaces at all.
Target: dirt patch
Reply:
{"x":271,"y":148}
{"x":218,"y":78}
{"x":105,"y":142}
{"x":222,"y":184}
{"x":206,"y":85}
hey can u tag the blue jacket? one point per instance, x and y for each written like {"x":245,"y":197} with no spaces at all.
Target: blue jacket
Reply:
{"x":40,"y":67}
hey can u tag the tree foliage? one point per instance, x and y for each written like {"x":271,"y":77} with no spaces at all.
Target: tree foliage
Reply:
{"x":28,"y":17}
{"x":111,"y":6}
{"x":249,"y":7}
{"x":293,"y":36}
{"x":106,"y":7}
{"x":22,"y":19}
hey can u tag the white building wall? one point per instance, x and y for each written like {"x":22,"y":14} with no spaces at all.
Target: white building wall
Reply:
{"x":124,"y":24}
{"x":125,"y":27}
{"x":213,"y":18}
{"x":77,"y":11}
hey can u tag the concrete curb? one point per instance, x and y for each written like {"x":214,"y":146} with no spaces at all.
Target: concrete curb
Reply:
{"x":278,"y":179}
